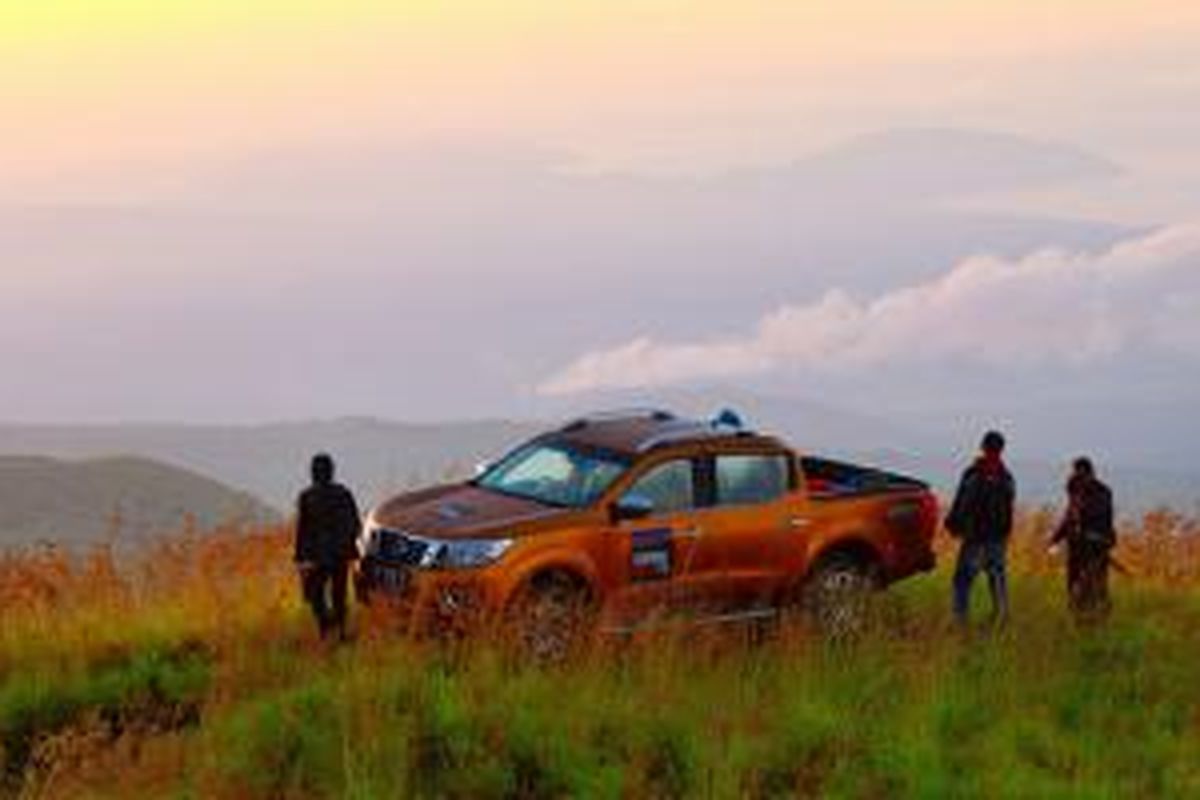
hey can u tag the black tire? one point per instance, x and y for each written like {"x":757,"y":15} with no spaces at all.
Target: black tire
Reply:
{"x":551,"y":618}
{"x":837,"y":597}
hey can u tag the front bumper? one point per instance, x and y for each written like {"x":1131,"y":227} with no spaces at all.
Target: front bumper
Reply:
{"x":427,"y":601}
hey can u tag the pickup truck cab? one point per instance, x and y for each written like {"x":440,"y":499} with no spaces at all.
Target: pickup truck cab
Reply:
{"x":619,"y":521}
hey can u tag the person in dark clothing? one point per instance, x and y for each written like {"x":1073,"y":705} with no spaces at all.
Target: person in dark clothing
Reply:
{"x":981,"y":517}
{"x":1087,"y":528}
{"x":327,"y":529}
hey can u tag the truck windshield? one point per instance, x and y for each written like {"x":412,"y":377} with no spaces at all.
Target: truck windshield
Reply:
{"x":554,"y":473}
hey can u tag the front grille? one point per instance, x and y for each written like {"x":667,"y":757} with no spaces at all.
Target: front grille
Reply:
{"x":395,"y":546}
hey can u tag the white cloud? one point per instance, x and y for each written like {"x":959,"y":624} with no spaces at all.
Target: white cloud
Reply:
{"x":1052,"y":307}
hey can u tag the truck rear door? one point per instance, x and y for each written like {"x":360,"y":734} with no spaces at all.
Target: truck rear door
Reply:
{"x":752,"y":518}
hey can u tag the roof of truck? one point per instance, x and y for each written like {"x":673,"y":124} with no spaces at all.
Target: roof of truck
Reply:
{"x":638,"y":431}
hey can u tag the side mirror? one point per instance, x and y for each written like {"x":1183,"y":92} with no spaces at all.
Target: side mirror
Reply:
{"x":632,"y":506}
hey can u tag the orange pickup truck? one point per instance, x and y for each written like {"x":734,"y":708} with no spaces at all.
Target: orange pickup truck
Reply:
{"x":614,"y":522}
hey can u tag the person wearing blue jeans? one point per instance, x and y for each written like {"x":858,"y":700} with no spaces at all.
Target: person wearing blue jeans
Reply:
{"x":981,"y":518}
{"x":989,"y":555}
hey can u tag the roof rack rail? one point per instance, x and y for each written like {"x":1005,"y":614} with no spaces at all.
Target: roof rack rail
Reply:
{"x":679,"y":430}
{"x":656,"y":414}
{"x":727,"y":422}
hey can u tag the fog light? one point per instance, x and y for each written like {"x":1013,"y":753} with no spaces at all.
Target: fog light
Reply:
{"x":455,"y":599}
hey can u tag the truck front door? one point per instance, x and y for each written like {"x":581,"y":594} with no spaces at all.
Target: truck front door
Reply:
{"x":664,"y":559}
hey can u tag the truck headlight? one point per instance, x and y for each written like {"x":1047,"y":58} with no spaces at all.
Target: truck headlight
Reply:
{"x":367,"y":537}
{"x":469,"y":553}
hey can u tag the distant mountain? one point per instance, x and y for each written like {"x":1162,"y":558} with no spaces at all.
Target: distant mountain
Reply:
{"x":810,"y":425}
{"x":377,"y":456}
{"x":928,"y":163}
{"x":934,"y":453}
{"x":73,"y":502}
{"x":43,"y":498}
{"x":933,"y":163}
{"x":271,"y":461}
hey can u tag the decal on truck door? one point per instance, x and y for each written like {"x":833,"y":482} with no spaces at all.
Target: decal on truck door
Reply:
{"x":650,"y":555}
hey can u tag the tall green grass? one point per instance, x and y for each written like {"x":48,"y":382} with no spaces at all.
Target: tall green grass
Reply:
{"x":1039,"y":710}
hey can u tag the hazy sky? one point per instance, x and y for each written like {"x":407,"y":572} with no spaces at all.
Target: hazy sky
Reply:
{"x":223,"y":209}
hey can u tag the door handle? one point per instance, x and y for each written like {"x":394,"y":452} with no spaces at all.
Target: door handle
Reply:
{"x":688,"y":533}
{"x":799,"y":522}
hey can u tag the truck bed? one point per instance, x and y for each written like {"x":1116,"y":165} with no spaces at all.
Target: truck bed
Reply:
{"x":828,"y":479}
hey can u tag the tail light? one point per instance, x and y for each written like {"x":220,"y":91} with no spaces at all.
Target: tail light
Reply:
{"x":929,"y":514}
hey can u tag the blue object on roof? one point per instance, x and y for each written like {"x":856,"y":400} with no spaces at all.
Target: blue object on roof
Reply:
{"x":728,"y":418}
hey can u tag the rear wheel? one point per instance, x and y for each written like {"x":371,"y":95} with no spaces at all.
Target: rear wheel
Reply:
{"x":836,"y":599}
{"x":551,"y":618}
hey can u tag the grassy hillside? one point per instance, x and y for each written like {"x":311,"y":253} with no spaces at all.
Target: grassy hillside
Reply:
{"x":72,"y":502}
{"x":194,"y":673}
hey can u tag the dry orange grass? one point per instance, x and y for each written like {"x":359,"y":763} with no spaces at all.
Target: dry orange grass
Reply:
{"x":1161,"y":548}
{"x":223,"y":585}
{"x":194,"y":587}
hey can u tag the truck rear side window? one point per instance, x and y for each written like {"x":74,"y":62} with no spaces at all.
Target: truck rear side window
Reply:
{"x":750,"y":479}
{"x":669,"y":486}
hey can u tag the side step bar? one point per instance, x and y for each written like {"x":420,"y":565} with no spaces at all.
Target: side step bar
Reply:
{"x":714,"y":619}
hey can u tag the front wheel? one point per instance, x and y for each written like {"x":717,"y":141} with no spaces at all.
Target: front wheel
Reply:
{"x":836,"y":599}
{"x":551,"y":618}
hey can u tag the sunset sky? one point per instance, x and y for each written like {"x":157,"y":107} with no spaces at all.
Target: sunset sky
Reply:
{"x":90,"y":88}
{"x":464,"y":208}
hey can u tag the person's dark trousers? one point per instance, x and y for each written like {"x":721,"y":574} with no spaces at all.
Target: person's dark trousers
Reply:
{"x":990,"y":556}
{"x":325,"y":588}
{"x":1087,"y":582}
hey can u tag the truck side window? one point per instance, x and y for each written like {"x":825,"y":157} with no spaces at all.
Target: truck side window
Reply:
{"x":751,"y":479}
{"x":669,"y":486}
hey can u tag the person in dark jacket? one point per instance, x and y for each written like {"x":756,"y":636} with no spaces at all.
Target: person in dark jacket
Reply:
{"x":981,"y":517}
{"x":327,"y":529}
{"x":1088,"y":529}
